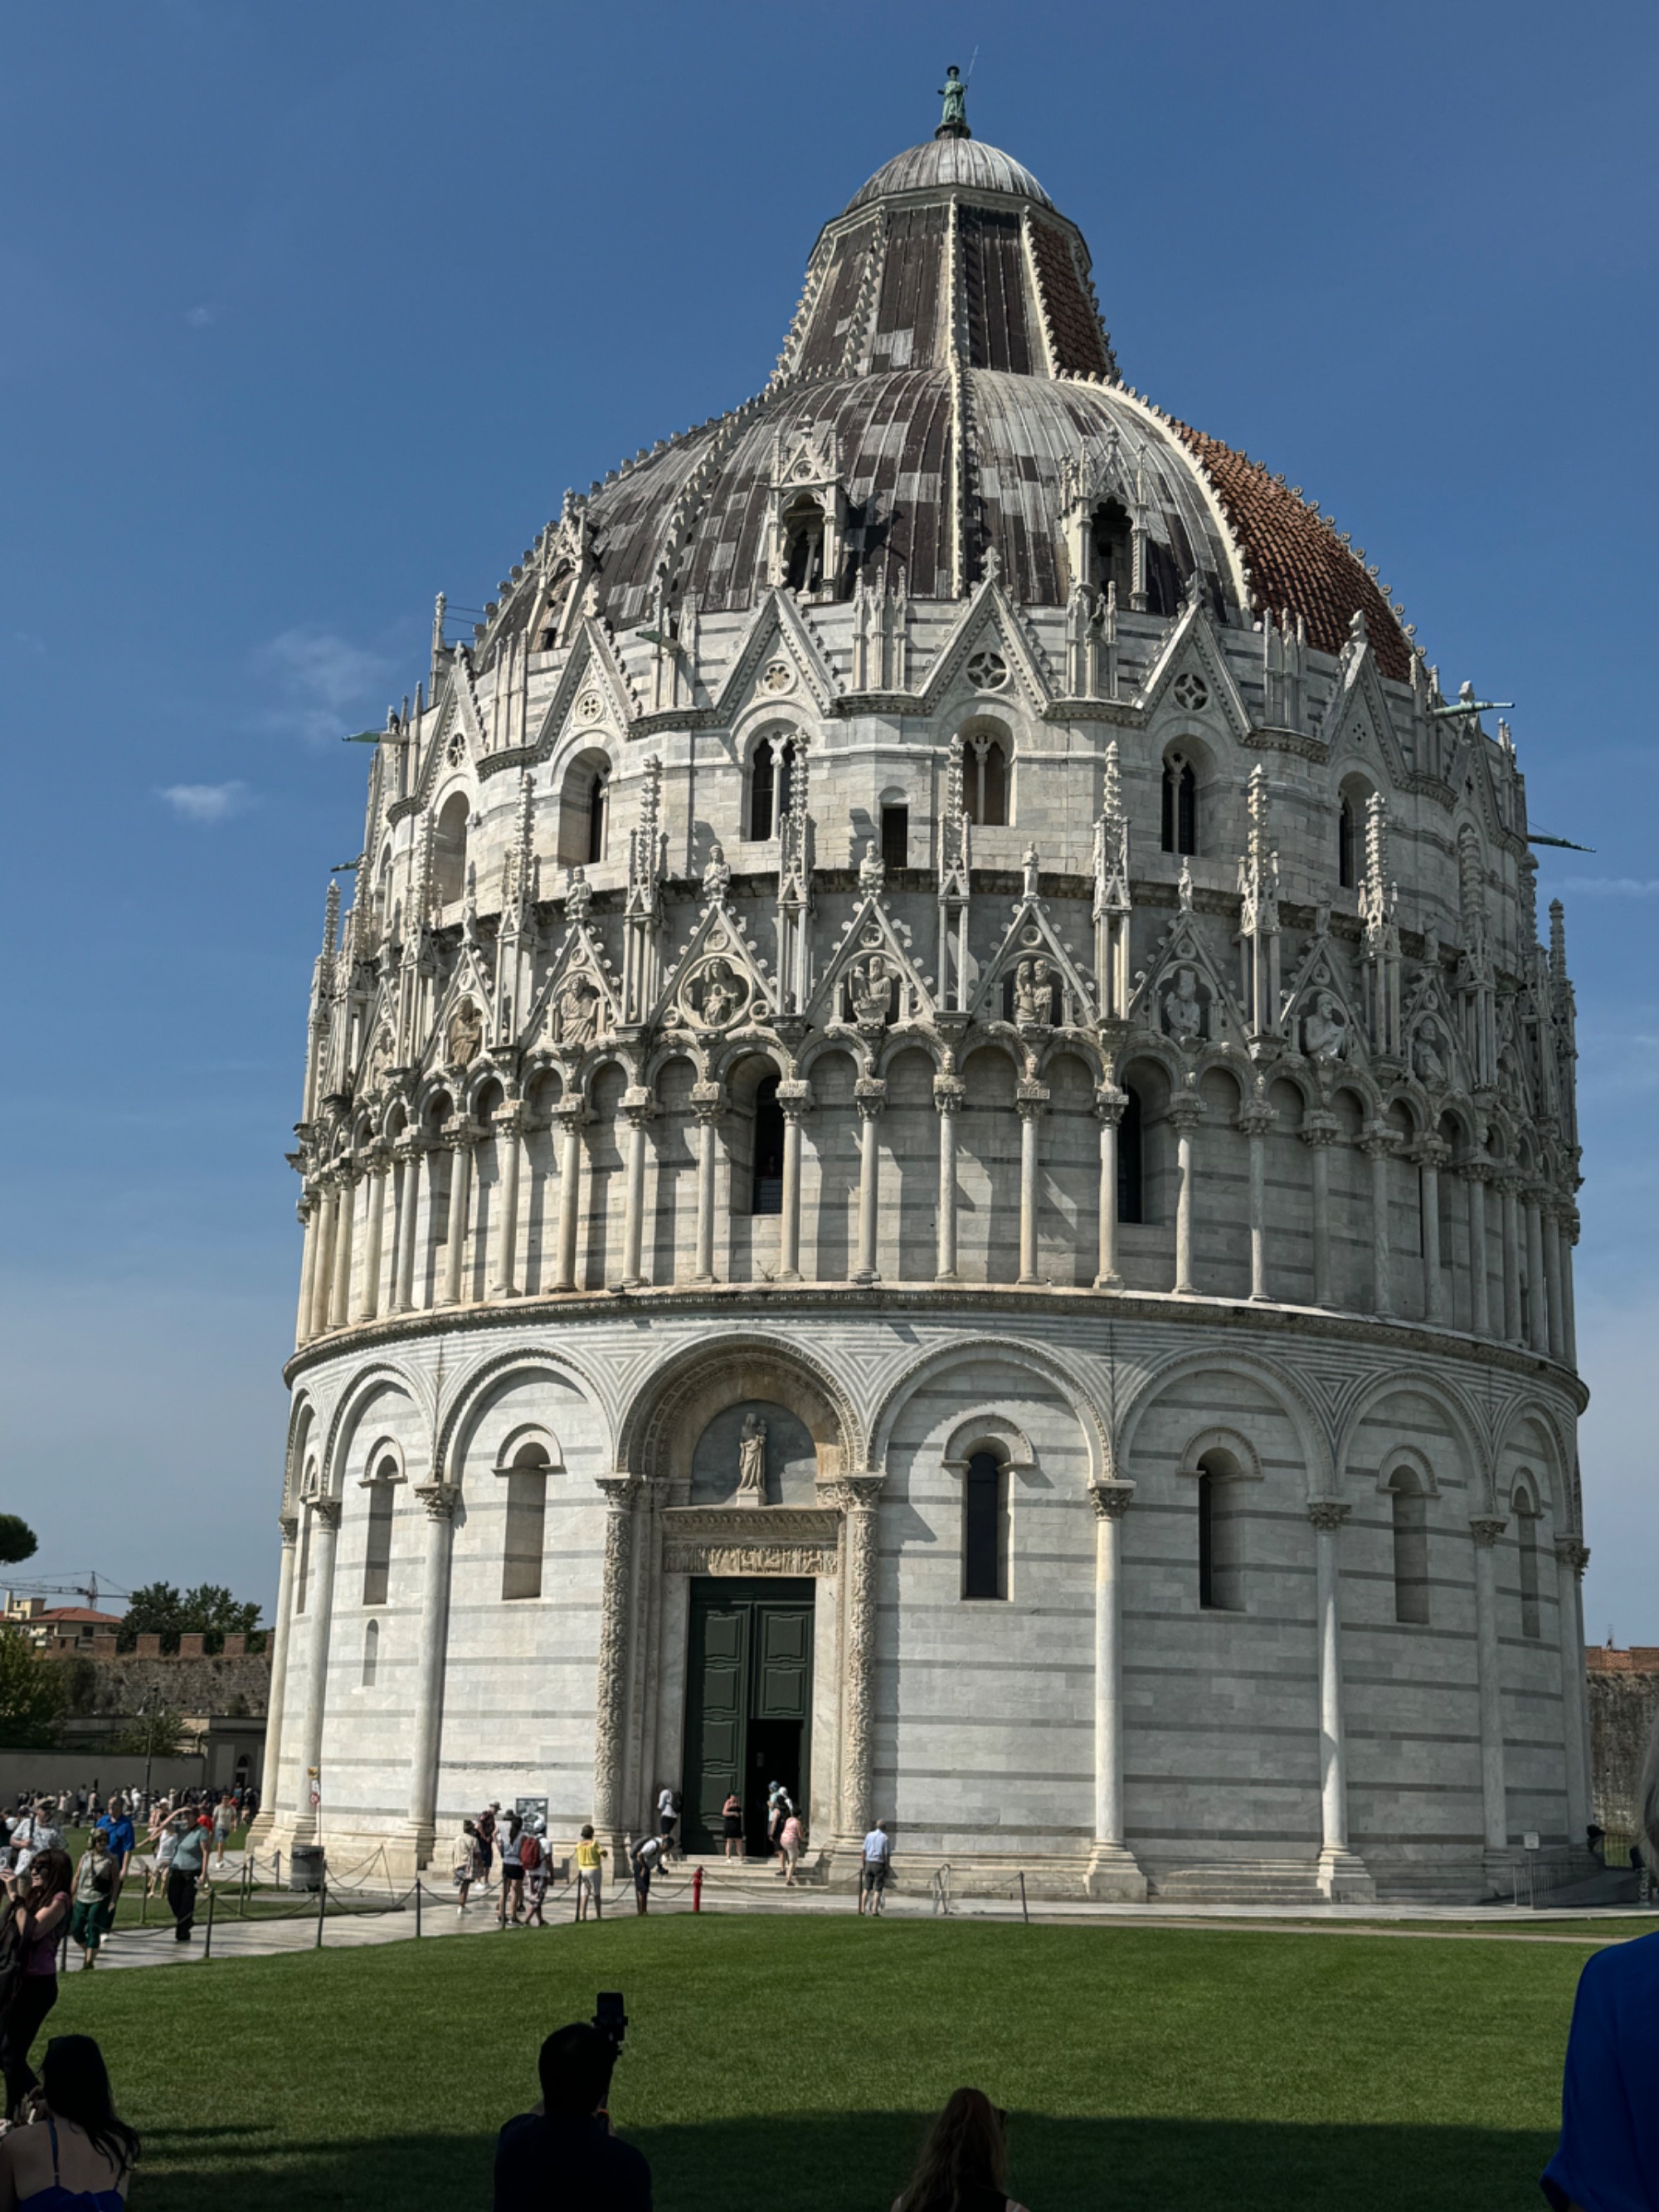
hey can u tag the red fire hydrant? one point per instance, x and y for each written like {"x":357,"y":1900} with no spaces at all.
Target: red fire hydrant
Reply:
{"x":696,"y":1889}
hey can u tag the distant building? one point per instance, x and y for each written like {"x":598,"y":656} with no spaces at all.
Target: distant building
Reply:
{"x":59,"y":1627}
{"x":1624,"y":1703}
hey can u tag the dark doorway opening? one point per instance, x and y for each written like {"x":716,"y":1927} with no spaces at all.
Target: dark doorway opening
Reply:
{"x":748,"y":1702}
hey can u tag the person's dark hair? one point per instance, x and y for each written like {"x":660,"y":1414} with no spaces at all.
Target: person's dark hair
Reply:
{"x":575,"y":2067}
{"x":75,"y":2083}
{"x":49,"y":1872}
{"x":964,"y":2150}
{"x":514,"y":1824}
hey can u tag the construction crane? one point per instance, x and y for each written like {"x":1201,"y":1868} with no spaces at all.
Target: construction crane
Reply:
{"x":88,"y":1589}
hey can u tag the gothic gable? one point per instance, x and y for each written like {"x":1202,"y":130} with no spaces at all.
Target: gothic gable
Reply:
{"x":1190,"y":674}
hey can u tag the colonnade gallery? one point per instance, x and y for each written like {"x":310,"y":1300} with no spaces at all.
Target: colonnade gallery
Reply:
{"x":938,"y":1157}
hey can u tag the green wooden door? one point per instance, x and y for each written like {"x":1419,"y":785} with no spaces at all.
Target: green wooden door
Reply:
{"x":749,"y":1660}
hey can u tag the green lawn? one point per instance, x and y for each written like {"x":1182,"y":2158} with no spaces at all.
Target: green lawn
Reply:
{"x":789,"y":2064}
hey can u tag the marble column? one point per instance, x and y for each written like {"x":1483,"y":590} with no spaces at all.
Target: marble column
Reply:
{"x":871,"y":1095}
{"x":319,"y":1612}
{"x":1029,"y":1105}
{"x":1431,"y":1154}
{"x":308,"y":1209}
{"x":1486,"y":1528}
{"x":322,"y":1280}
{"x":569,"y":1119}
{"x":368,"y":1299}
{"x":1112,"y":1869}
{"x":1109,"y":1107}
{"x":793,"y":1101}
{"x":509,"y":1126}
{"x":1537,"y":1336}
{"x":709,"y":1103}
{"x":1511,"y":1260}
{"x":1571,"y":1558}
{"x":1342,"y":1876}
{"x":1319,"y":1133}
{"x":610,"y":1705}
{"x":276,"y":1691}
{"x":1556,"y":1333}
{"x":432,"y":1650}
{"x":1183,"y":1114}
{"x":339,"y":1304}
{"x":858,"y":1496}
{"x":407,"y":1241}
{"x":461,"y":1136}
{"x":1569,"y":1324}
{"x":1257,"y":1121}
{"x":637,"y":1108}
{"x":429,"y":1289}
{"x":1378,"y":1145}
{"x":948,"y":1095}
{"x":1479,"y":1295}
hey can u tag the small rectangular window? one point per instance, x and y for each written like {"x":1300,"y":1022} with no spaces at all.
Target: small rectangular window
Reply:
{"x":1527,"y":1539}
{"x":526,"y":1524}
{"x":896,"y":837}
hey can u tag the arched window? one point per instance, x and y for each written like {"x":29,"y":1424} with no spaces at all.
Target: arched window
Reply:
{"x":802,"y":544}
{"x":449,"y":849}
{"x":766,"y":1188}
{"x":1410,"y":1508}
{"x":371,"y":1653}
{"x":1130,"y":1202}
{"x":1179,"y":828}
{"x":1220,"y":1534}
{"x":770,"y":778}
{"x":985,"y":1528}
{"x":376,"y":1547}
{"x":985,"y":781}
{"x":1163,"y":580}
{"x":1526,"y":1537}
{"x":583,"y":810}
{"x":527,"y":1522}
{"x":599,"y":816}
{"x":1348,"y":836}
{"x":1110,"y":548}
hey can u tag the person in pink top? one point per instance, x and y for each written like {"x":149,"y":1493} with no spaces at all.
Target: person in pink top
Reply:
{"x":39,"y":1903}
{"x":789,"y":1843}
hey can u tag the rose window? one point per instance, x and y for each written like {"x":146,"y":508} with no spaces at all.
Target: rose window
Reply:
{"x":987,"y":672}
{"x":1191,"y":692}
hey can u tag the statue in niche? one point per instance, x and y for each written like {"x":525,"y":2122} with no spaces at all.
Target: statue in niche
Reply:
{"x":722,"y":994}
{"x":870,"y":986}
{"x":465,"y":1034}
{"x":1425,"y":1056}
{"x":578,"y":1010}
{"x":578,"y":896}
{"x":1183,"y":1010}
{"x":716,"y":876}
{"x":872,"y":870}
{"x":751,"y":1462}
{"x":1325,"y":1031}
{"x":1034,"y":991}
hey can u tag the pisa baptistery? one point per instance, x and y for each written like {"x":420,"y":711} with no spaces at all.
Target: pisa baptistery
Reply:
{"x":939,"y":1158}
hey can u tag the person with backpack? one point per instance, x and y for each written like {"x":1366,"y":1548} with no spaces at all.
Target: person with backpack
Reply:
{"x":38,"y":1904}
{"x":533,"y":1851}
{"x":97,"y":1882}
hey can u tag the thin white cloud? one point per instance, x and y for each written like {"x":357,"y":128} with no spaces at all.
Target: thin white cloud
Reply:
{"x":1610,"y":886}
{"x":324,"y":682}
{"x":207,"y":804}
{"x":199,"y":318}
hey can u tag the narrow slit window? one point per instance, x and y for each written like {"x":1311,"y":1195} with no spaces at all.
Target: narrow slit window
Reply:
{"x":766,"y":1188}
{"x":1411,"y":1552}
{"x":527,"y":1528}
{"x":598,"y":808}
{"x":1179,"y":825}
{"x":371,"y":1653}
{"x":376,"y":1547}
{"x":1527,"y":1544}
{"x":984,"y":1529}
{"x":1130,"y":1187}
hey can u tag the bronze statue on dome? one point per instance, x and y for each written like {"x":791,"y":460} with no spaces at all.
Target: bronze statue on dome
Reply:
{"x":953,"y":124}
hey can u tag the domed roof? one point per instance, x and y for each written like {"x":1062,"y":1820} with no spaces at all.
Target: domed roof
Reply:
{"x":967,"y":164}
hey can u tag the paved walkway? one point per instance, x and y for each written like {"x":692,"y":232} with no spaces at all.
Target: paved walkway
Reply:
{"x":754,"y":1893}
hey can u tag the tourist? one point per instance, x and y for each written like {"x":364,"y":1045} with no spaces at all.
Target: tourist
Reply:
{"x":164,"y":1841}
{"x":224,"y":1820}
{"x":779,"y":1805}
{"x":667,"y":1813}
{"x":39,"y":1905}
{"x":789,"y":1848}
{"x":486,"y":1828}
{"x":647,"y":1857}
{"x":563,"y":2152}
{"x":468,"y":1862}
{"x":187,"y":1867}
{"x":533,"y":1853}
{"x":590,"y":1876}
{"x":97,"y":1884}
{"x":963,"y":2163}
{"x":511,"y":1899}
{"x":873,"y":1875}
{"x":116,"y":1828}
{"x":731,"y":1816}
{"x":83,"y":2155}
{"x":1608,"y":2154}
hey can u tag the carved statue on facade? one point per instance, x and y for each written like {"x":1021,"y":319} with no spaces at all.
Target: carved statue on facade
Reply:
{"x":1325,"y":1031}
{"x":716,"y":875}
{"x":720,"y":994}
{"x":1034,"y":991}
{"x":465,"y":1034}
{"x":1425,"y":1057}
{"x":751,"y":1462}
{"x":1183,"y":1010}
{"x":872,"y":872}
{"x":578,"y":896}
{"x":870,"y":987}
{"x":577,"y":1004}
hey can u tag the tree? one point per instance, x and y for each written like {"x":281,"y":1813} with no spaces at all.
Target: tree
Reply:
{"x":17,"y":1540}
{"x":31,"y":1694}
{"x":155,"y":1734}
{"x":158,"y":1609}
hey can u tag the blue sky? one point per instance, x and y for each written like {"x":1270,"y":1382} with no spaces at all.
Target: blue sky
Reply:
{"x":313,"y":311}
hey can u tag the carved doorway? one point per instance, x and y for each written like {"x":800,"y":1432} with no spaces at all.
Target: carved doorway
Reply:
{"x":749,"y":1702}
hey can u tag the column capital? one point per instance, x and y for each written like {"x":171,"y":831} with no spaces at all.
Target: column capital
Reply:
{"x":1327,"y":1513}
{"x":510,"y":1120}
{"x":1109,"y":1104}
{"x":408,"y":1144}
{"x":1186,"y":1110}
{"x":794,"y":1099}
{"x":708,"y":1101}
{"x":1319,"y":1130}
{"x":376,"y":1155}
{"x":289,"y":1526}
{"x":568,"y":1114}
{"x":458,"y":1134}
{"x":1477,"y":1169}
{"x":1111,"y":1500}
{"x":327,"y":1510}
{"x":618,"y":1490}
{"x":1486,"y":1528}
{"x":1379,"y":1142}
{"x":856,"y":1493}
{"x":870,"y":1093}
{"x":1257,"y":1119}
{"x":1030,"y":1099}
{"x":638,"y":1106}
{"x":1429,"y":1153}
{"x":1572,"y":1552}
{"x":949,"y":1094}
{"x":439,"y":1498}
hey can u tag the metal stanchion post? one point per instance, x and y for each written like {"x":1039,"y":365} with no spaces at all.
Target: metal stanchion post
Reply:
{"x":1025,"y":1909}
{"x":696,"y":1889}
{"x":322,"y":1904}
{"x":417,"y":1907}
{"x":207,"y":1946}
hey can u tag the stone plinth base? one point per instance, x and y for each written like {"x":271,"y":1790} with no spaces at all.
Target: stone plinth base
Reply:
{"x":1115,"y":1875}
{"x":1345,"y":1879}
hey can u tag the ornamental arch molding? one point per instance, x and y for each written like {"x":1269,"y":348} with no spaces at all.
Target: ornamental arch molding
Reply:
{"x":1401,"y":1459}
{"x":1458,"y":1416}
{"x":477,"y":1388}
{"x":366,"y":1389}
{"x":1009,"y":1351}
{"x":1543,"y":1452}
{"x":1220,"y":1437}
{"x":988,"y":1428}
{"x":303,"y":1422}
{"x":661,"y":1426}
{"x":1310,"y":1425}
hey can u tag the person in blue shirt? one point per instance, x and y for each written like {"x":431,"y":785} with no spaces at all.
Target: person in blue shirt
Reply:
{"x":123,"y":1842}
{"x":1608,"y":2157}
{"x":562,"y":2157}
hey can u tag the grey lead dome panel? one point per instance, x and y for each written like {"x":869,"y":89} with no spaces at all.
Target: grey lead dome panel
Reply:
{"x":967,"y":164}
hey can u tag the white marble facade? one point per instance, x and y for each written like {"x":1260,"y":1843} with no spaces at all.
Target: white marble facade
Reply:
{"x":1059,"y":1040}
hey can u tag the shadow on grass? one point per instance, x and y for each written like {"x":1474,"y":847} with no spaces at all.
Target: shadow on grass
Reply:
{"x":858,"y":2161}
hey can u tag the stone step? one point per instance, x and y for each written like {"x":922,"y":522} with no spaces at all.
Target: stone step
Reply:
{"x":1259,"y":1882}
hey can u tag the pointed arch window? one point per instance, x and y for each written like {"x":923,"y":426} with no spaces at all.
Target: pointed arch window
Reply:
{"x":449,"y":849}
{"x":771,"y":782}
{"x":1179,"y":826}
{"x":1347,"y":843}
{"x":1111,"y":546}
{"x":599,"y":816}
{"x":377,"y":1545}
{"x":985,"y":781}
{"x":803,"y":539}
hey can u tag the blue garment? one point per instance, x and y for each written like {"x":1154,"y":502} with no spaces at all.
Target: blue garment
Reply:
{"x":120,"y":1833}
{"x":1608,"y":2156}
{"x":56,"y":2198}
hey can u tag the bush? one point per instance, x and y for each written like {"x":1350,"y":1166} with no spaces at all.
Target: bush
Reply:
{"x":32,"y":1695}
{"x":159,"y":1735}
